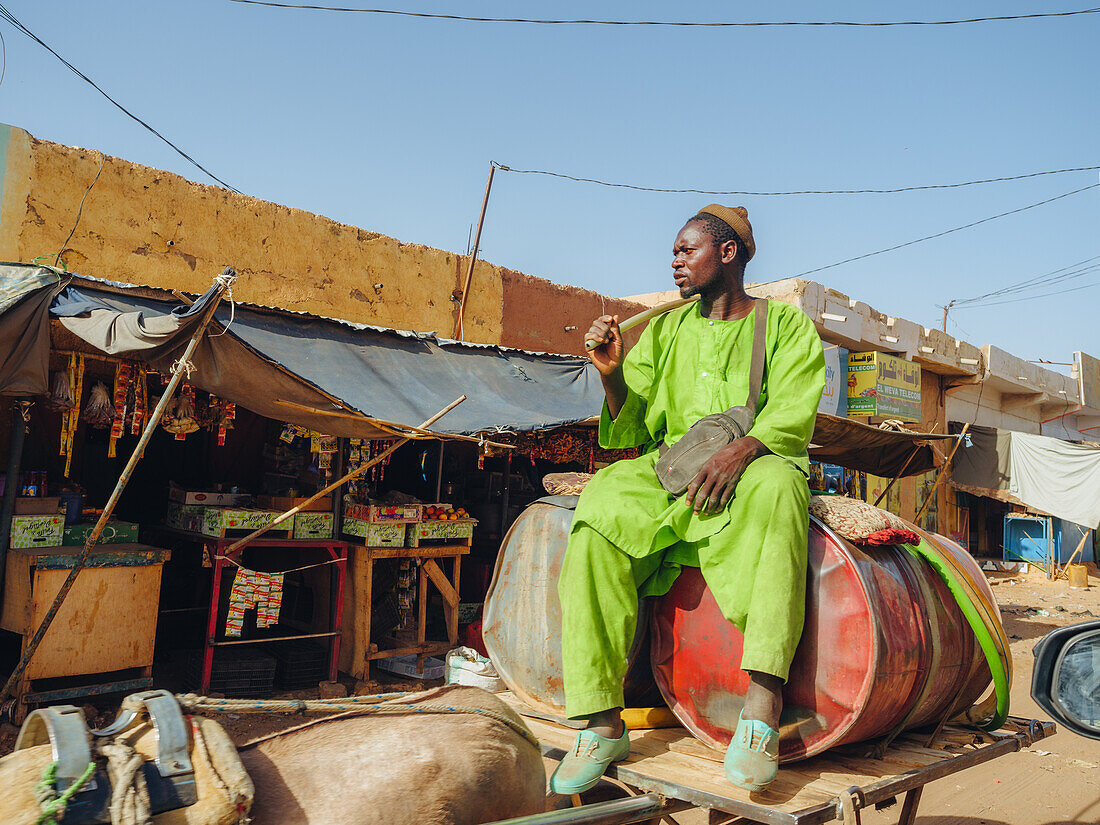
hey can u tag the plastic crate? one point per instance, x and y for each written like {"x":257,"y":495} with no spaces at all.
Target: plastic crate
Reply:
{"x":238,"y":674}
{"x":299,"y":664}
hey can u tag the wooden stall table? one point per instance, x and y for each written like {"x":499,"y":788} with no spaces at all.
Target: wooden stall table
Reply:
{"x":214,"y":547}
{"x":106,"y":625}
{"x":362,"y":649}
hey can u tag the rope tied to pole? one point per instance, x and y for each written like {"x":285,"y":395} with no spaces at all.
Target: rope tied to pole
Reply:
{"x":227,"y":278}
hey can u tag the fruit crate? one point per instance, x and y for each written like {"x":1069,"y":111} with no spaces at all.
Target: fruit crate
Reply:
{"x":238,"y":674}
{"x":223,"y":522}
{"x":313,"y":525}
{"x":299,"y":664}
{"x":385,"y":513}
{"x":457,"y":531}
{"x":376,"y":535}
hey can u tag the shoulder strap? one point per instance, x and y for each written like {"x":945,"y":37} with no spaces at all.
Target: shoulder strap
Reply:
{"x":759,"y":346}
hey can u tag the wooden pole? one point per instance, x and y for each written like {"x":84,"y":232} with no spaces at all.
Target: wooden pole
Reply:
{"x":237,"y":545}
{"x":225,"y":281}
{"x":901,"y":472}
{"x":943,"y":471}
{"x":644,"y":316}
{"x":473,"y":254}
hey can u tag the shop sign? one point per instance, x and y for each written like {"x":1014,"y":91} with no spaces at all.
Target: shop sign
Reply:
{"x":883,"y":386}
{"x":834,"y":398}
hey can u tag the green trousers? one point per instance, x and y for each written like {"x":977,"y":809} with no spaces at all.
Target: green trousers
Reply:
{"x":755,"y":567}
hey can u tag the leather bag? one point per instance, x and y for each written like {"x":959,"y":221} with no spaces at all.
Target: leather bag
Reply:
{"x":681,"y":463}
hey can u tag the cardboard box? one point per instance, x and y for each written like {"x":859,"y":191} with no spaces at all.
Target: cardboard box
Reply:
{"x":37,"y":505}
{"x":313,"y":525}
{"x":375,"y":535}
{"x":386,"y":513}
{"x":209,"y":499}
{"x":37,"y":531}
{"x":114,"y":532}
{"x":185,"y":516}
{"x":406,"y":666}
{"x":284,"y":503}
{"x":462,"y":528}
{"x":216,"y":520}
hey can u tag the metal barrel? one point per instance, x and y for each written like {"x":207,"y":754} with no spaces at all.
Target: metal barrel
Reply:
{"x":884,"y":646}
{"x":522,"y":617}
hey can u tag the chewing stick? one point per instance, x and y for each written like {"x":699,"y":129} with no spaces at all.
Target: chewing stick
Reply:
{"x":642,"y":317}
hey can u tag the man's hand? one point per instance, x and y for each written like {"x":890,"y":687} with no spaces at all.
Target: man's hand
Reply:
{"x":608,"y":356}
{"x":713,"y":488}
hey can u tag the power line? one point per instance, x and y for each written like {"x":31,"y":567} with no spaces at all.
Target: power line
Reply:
{"x":636,"y":188}
{"x":1065,"y":273}
{"x":1033,"y":297}
{"x":677,"y":23}
{"x":7,"y":15}
{"x":947,"y":231}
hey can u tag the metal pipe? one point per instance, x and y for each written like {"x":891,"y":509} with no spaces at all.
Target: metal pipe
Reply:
{"x":21,"y":411}
{"x":616,"y":812}
{"x":473,"y":254}
{"x":225,"y":281}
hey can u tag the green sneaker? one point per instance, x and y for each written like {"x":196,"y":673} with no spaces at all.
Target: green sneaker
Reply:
{"x":752,"y":759}
{"x":583,"y":766}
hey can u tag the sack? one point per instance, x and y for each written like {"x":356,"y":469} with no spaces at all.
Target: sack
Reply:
{"x":681,"y":463}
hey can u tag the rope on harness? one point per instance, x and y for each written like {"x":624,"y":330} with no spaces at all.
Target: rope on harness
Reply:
{"x":45,"y":793}
{"x":130,"y":803}
{"x":378,"y":703}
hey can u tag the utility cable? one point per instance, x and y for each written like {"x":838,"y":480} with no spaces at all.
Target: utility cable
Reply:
{"x":676,"y":23}
{"x":80,"y":210}
{"x":1032,"y":297}
{"x":1065,"y":273}
{"x":598,"y":182}
{"x":7,"y":15}
{"x":947,"y":231}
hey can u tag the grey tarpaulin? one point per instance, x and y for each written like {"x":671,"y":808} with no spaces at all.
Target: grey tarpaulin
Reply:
{"x":276,"y":363}
{"x":25,"y":294}
{"x":1047,"y":474}
{"x":860,"y":446}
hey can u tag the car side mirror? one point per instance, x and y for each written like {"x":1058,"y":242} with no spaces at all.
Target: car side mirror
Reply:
{"x":1066,"y":679}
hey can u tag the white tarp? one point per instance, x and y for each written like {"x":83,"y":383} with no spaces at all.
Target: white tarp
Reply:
{"x":1056,"y":477}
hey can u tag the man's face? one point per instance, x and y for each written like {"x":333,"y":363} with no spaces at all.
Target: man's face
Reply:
{"x":697,"y":260}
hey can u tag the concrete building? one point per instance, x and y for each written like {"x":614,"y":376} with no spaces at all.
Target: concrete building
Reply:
{"x":146,"y":226}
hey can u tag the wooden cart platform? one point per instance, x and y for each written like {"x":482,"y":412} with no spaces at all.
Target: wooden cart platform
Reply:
{"x":671,"y":763}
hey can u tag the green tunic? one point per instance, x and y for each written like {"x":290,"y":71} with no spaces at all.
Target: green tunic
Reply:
{"x":630,"y":535}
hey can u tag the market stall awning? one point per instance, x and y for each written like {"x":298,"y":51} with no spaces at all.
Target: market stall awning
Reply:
{"x":882,"y":452}
{"x":334,"y":376}
{"x":1058,"y":477}
{"x":25,"y":295}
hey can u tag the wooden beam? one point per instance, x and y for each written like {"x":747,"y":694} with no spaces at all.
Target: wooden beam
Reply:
{"x":439,"y":579}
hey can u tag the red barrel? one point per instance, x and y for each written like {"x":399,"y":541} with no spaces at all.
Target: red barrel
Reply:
{"x":522,"y":617}
{"x":884,"y":644}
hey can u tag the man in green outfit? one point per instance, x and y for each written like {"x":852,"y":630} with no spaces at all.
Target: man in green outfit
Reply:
{"x":743,"y":520}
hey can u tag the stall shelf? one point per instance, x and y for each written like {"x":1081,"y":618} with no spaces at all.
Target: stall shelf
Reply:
{"x":215,"y":552}
{"x":95,"y":633}
{"x":361,"y":649}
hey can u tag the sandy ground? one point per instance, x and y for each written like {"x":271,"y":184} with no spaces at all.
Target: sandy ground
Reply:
{"x":1056,"y":782}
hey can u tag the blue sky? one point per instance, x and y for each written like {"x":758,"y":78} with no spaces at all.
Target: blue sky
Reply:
{"x":390,"y":123}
